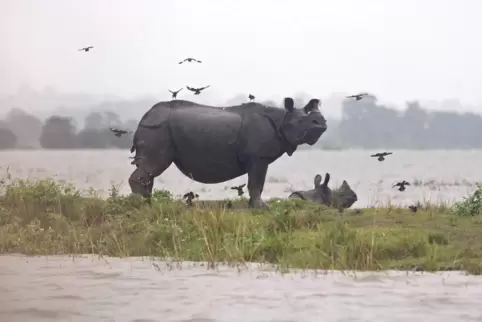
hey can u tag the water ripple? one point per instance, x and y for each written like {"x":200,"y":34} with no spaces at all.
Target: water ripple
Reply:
{"x":57,"y":288}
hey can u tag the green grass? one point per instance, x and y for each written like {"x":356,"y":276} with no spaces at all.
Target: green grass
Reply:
{"x":49,"y":217}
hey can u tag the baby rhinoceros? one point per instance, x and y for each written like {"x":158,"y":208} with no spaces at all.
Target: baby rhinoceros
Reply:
{"x":321,"y":194}
{"x":341,"y":198}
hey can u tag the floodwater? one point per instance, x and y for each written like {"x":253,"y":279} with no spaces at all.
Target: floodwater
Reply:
{"x":436,"y":176}
{"x":89,"y":288}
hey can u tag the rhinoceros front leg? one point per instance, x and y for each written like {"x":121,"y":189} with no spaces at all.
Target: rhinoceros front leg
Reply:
{"x":256,"y":178}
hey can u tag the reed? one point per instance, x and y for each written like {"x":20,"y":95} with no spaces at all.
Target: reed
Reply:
{"x":53,"y":217}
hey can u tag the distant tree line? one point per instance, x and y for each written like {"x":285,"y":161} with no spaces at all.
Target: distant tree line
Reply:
{"x":22,"y":130}
{"x":364,"y":124}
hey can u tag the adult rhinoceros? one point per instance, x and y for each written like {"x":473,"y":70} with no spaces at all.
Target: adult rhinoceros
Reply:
{"x":212,"y":144}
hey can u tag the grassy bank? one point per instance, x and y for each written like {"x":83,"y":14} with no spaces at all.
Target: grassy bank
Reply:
{"x":48,"y":217}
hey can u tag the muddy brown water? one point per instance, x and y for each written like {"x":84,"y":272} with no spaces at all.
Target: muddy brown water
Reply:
{"x":89,"y":288}
{"x":436,"y":176}
{"x":86,"y":288}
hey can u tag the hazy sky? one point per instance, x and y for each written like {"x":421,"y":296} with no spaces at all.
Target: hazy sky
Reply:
{"x":398,"y":50}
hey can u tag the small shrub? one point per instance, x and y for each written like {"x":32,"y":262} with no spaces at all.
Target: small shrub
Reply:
{"x":470,"y":206}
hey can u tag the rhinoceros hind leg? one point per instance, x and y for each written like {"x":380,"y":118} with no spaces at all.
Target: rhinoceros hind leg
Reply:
{"x":256,"y":178}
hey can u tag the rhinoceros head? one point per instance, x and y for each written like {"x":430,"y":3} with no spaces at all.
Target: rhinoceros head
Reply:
{"x":302,"y":125}
{"x":344,"y":197}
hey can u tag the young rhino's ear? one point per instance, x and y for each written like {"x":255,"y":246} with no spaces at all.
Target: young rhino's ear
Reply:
{"x":289,"y":104}
{"x":327,"y":179}
{"x":317,"y":181}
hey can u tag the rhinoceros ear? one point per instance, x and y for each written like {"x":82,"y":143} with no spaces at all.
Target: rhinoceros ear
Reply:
{"x":312,"y":105}
{"x":317,"y":181}
{"x":327,"y":179}
{"x":289,"y":104}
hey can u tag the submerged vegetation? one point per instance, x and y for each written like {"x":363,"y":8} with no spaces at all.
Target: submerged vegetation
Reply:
{"x":50,"y":217}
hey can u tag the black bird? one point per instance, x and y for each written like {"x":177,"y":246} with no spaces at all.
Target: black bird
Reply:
{"x":413,"y":208}
{"x":240,"y":189}
{"x":190,"y":60}
{"x":189,"y":197}
{"x":251,"y":97}
{"x":197,"y":91}
{"x":86,"y":49}
{"x":358,"y":96}
{"x":401,"y":185}
{"x":381,"y":155}
{"x":174,"y":94}
{"x":118,"y":132}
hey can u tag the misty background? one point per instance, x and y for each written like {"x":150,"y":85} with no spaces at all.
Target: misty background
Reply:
{"x":420,"y":60}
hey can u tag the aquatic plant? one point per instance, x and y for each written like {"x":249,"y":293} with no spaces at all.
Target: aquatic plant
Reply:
{"x":53,"y":217}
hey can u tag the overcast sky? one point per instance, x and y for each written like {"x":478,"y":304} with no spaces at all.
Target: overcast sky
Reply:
{"x":398,"y":50}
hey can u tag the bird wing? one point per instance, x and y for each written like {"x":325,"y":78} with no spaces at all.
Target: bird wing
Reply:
{"x":171,"y":91}
{"x":243,"y":185}
{"x":397,"y":184}
{"x":388,"y":153}
{"x":90,"y":47}
{"x":179,"y":90}
{"x":234,"y":188}
{"x":112,"y":129}
{"x":204,"y":87}
{"x":191,"y":89}
{"x":375,"y":155}
{"x":199,"y":61}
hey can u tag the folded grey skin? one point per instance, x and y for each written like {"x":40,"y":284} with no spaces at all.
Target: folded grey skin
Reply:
{"x":343,"y":197}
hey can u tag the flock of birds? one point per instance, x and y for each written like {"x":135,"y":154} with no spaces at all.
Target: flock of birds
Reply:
{"x":381,"y":155}
{"x":190,"y":196}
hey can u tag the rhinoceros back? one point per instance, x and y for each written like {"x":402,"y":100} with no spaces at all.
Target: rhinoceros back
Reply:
{"x":156,"y":116}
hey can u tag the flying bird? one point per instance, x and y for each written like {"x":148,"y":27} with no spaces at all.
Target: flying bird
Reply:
{"x":174,"y":94}
{"x":240,"y":189}
{"x":358,"y":96}
{"x":86,"y":49}
{"x":118,"y":132}
{"x":197,"y":91}
{"x":189,"y":197}
{"x":251,"y":97}
{"x":190,"y":60}
{"x":381,"y":156}
{"x":401,"y":185}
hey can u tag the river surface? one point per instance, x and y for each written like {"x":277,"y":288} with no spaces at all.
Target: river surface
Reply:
{"x":89,"y":288}
{"x":436,"y":176}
